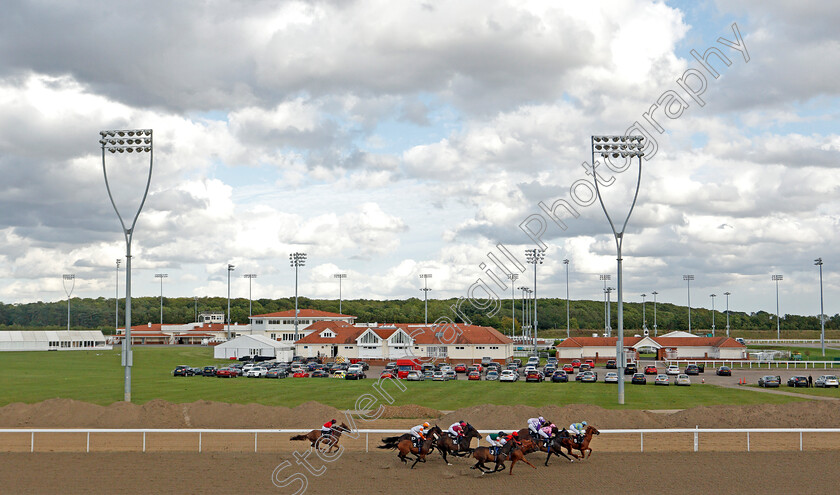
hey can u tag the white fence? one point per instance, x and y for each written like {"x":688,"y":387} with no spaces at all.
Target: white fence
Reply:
{"x":696,"y":432}
{"x":715,"y":363}
{"x":790,"y":341}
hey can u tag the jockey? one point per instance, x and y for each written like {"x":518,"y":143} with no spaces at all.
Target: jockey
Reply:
{"x":545,"y":432}
{"x":418,"y":433}
{"x":327,"y":428}
{"x":457,"y":431}
{"x":578,"y":429}
{"x":534,"y":425}
{"x":496,"y":441}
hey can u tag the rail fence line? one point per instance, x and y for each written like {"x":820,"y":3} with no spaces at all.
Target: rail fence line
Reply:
{"x":696,"y":432}
{"x":754,"y":364}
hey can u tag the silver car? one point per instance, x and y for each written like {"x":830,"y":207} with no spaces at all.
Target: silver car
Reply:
{"x":827,"y":381}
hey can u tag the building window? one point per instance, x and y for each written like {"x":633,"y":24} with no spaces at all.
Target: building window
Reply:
{"x":65,"y":344}
{"x":494,"y":347}
{"x":274,"y":336}
{"x":479,"y":347}
{"x":369,"y":338}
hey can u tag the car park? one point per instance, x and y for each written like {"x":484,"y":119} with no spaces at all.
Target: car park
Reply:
{"x":588,"y":377}
{"x":508,"y":376}
{"x":673,"y":369}
{"x":226,"y":373}
{"x":182,"y":370}
{"x":559,"y":376}
{"x":631,"y":369}
{"x":662,"y":380}
{"x":611,"y":364}
{"x":590,"y":362}
{"x":209,"y":371}
{"x":611,"y":377}
{"x":415,"y":376}
{"x":549,"y":369}
{"x":651,"y":370}
{"x":438,"y":376}
{"x":301,"y":373}
{"x":534,"y":376}
{"x":388,"y":374}
{"x":568,"y":368}
{"x":445,"y":367}
{"x":533,"y":361}
{"x":769,"y":381}
{"x":692,"y":369}
{"x":358,"y":374}
{"x":797,"y":381}
{"x":682,"y":380}
{"x":492,"y":375}
{"x":584,"y":367}
{"x":552,"y":360}
{"x":473,"y":375}
{"x":276,"y":373}
{"x":826,"y":381}
{"x":450,"y":375}
{"x":460,"y":368}
{"x":724,"y":371}
{"x":575,"y":363}
{"x":638,"y":379}
{"x":428,"y":374}
{"x":256,"y":372}
{"x":340,"y":374}
{"x":320,"y":373}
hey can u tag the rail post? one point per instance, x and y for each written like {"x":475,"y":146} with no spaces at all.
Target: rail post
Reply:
{"x":255,"y":442}
{"x":144,"y":441}
{"x":366,"y":442}
{"x":748,"y":441}
{"x":199,"y":442}
{"x":87,"y":447}
{"x":642,"y":441}
{"x":32,"y":443}
{"x":696,"y":437}
{"x":800,"y":441}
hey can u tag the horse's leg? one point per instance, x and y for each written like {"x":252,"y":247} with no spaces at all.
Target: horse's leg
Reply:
{"x":548,"y":457}
{"x":443,"y":454}
{"x":569,"y":449}
{"x":528,"y":463}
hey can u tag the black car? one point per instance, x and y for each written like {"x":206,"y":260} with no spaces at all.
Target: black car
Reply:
{"x":355,"y":375}
{"x":209,"y":371}
{"x":631,"y":369}
{"x":277,"y":373}
{"x":365,"y":366}
{"x":182,"y":370}
{"x":797,"y":381}
{"x":197,"y":371}
{"x":245,"y":358}
{"x":769,"y":381}
{"x":320,"y":373}
{"x":692,"y":369}
{"x":611,"y":365}
{"x":724,"y":371}
{"x":638,"y":379}
{"x":559,"y":376}
{"x":258,"y":359}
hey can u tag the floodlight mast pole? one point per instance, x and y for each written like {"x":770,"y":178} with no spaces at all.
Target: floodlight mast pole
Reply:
{"x":605,"y":278}
{"x":117,"y":297}
{"x":297,"y":260}
{"x":64,"y":280}
{"x":426,"y":289}
{"x":161,"y":276}
{"x":819,"y":262}
{"x":568,"y":327}
{"x":688,"y":279}
{"x":655,"y":332}
{"x":625,"y":147}
{"x":727,"y":294}
{"x":713,"y":296}
{"x":512,"y":277}
{"x":644,"y":315}
{"x":340,"y":277}
{"x":139,"y":141}
{"x":776,"y":279}
{"x":229,"y":269}
{"x":535,"y":256}
{"x":250,"y":277}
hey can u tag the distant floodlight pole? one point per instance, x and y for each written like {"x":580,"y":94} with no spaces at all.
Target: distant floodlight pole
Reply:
{"x":568,"y":331}
{"x":297,"y":260}
{"x":776,"y":279}
{"x":644,"y":316}
{"x":340,"y":277}
{"x":655,"y":332}
{"x":117,"y":298}
{"x":196,"y":308}
{"x":727,"y":294}
{"x":131,"y":141}
{"x":426,"y":289}
{"x":250,"y":277}
{"x":605,"y":278}
{"x":713,"y":296}
{"x":609,"y":309}
{"x":64,"y":279}
{"x":161,"y":276}
{"x":688,"y":279}
{"x":229,"y":269}
{"x":524,"y":310}
{"x":535,"y":256}
{"x":512,"y":277}
{"x":624,"y":147}
{"x":819,"y":262}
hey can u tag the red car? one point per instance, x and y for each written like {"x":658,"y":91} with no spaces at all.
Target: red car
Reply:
{"x":568,"y":368}
{"x":479,"y":367}
{"x":575,"y":363}
{"x":651,"y":370}
{"x":474,"y":375}
{"x":388,"y":374}
{"x":226,"y":373}
{"x":301,"y":374}
{"x":590,"y":362}
{"x":460,"y":368}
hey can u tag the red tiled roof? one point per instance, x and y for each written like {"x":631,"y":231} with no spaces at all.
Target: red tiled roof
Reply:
{"x":343,"y":335}
{"x":597,"y":341}
{"x":318,"y":326}
{"x":467,"y":334}
{"x":662,"y":341}
{"x":303,"y":313}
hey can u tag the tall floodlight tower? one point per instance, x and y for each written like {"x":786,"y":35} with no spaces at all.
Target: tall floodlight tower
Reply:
{"x":688,"y":279}
{"x":297,"y":260}
{"x":127,"y":141}
{"x":426,"y":289}
{"x":568,"y":331}
{"x":512,"y":277}
{"x":727,"y":294}
{"x":655,"y":331}
{"x":161,"y":276}
{"x":340,"y":277}
{"x":117,"y":297}
{"x":535,"y":257}
{"x":713,"y":296}
{"x":71,"y":278}
{"x":819,"y":262}
{"x":605,"y":278}
{"x":644,"y":315}
{"x":250,"y":277}
{"x":776,"y":279}
{"x":229,"y":269}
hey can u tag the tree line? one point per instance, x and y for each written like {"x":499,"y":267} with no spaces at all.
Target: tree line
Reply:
{"x":86,"y":313}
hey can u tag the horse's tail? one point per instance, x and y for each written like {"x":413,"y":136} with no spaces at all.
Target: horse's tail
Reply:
{"x":299,"y":437}
{"x":389,"y":443}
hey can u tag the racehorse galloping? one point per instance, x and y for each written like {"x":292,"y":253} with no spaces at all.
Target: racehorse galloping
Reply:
{"x":447,"y":446}
{"x":569,"y":444}
{"x":514,"y":451}
{"x":406,"y":446}
{"x":331,"y":439}
{"x":556,"y":445}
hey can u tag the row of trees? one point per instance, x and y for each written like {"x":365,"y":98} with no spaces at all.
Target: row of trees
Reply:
{"x":99,"y":313}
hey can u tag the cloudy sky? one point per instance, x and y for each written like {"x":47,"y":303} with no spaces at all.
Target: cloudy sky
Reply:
{"x":392,"y":139}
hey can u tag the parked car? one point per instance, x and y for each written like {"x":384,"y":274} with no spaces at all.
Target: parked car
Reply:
{"x":724,"y":371}
{"x":492,"y":375}
{"x":552,"y":360}
{"x":673,"y":369}
{"x":321,"y":373}
{"x":391,"y":366}
{"x":662,"y":380}
{"x":460,"y":368}
{"x":534,"y":376}
{"x":256,"y":372}
{"x":533,"y":361}
{"x":683,"y":380}
{"x":301,"y":374}
{"x":611,"y":377}
{"x":357,"y":374}
{"x":364,"y":365}
{"x":197,"y":371}
{"x":631,"y":369}
{"x":575,"y":363}
{"x":276,"y":373}
{"x":611,"y":364}
{"x":340,"y":374}
{"x":588,"y":377}
{"x":826,"y":381}
{"x":450,"y":375}
{"x":584,"y":367}
{"x":692,"y":369}
{"x":428,"y":374}
{"x":508,"y":376}
{"x":651,"y":370}
{"x":590,"y":362}
{"x":182,"y":370}
{"x":769,"y":381}
{"x":355,"y":367}
{"x":209,"y":371}
{"x":415,"y":376}
{"x":568,"y":368}
{"x":226,"y":373}
{"x":740,"y":341}
{"x":438,"y":376}
{"x":473,"y":375}
{"x":549,"y":370}
{"x":798,"y":381}
{"x":559,"y":376}
{"x":638,"y":379}
{"x":388,"y":374}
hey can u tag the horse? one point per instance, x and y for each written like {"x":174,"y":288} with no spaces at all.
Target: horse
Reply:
{"x":314,"y":437}
{"x":514,"y":451}
{"x":460,"y":449}
{"x":406,"y":446}
{"x":570,"y":444}
{"x":526,"y":433}
{"x":556,"y":445}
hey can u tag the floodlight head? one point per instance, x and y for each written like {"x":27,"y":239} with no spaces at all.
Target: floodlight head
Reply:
{"x":688,"y":277}
{"x":654,"y":293}
{"x":425,"y":275}
{"x":123,"y":145}
{"x":777,"y":277}
{"x":818,"y":261}
{"x":727,"y":293}
{"x":69,"y":277}
{"x":340,"y":275}
{"x":712,"y":295}
{"x":230,"y":267}
{"x":566,"y":261}
{"x":604,"y":277}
